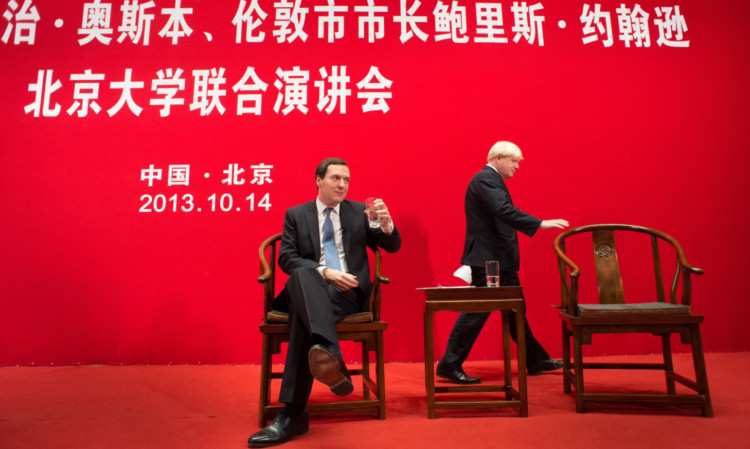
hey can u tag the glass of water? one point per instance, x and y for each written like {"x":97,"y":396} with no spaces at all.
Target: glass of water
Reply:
{"x":372,"y":213}
{"x":492,"y":268}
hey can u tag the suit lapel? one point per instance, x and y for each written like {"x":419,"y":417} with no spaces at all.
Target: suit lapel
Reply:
{"x":500,"y":181}
{"x":507,"y":192}
{"x":347,"y":217}
{"x":311,"y":217}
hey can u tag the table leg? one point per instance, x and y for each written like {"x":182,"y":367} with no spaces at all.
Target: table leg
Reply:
{"x":507,"y":367}
{"x":429,"y":357}
{"x":521,"y":347}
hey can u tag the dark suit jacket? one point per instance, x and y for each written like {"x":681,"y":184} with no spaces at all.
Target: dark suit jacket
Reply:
{"x":492,"y":221}
{"x":300,"y":240}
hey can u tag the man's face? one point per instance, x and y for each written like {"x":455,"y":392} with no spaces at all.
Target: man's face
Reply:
{"x":332,"y":189}
{"x":506,"y":166}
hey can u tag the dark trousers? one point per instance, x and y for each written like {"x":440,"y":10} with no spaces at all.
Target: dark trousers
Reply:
{"x":314,"y":308}
{"x":468,"y":325}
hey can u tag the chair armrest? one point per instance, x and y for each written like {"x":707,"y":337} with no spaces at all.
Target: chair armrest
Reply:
{"x":266,"y":273}
{"x":568,"y":281}
{"x":378,"y":276}
{"x":561,"y":256}
{"x":382,"y":279}
{"x":680,"y":252}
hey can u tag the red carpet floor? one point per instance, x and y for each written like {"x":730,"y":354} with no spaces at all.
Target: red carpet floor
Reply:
{"x":216,"y":407}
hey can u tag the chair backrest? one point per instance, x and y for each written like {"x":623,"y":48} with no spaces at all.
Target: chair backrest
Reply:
{"x":609,"y":277}
{"x":268,"y":264}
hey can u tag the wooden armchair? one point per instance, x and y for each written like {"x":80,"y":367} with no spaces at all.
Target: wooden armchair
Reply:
{"x":365,"y":328}
{"x":613,"y":314}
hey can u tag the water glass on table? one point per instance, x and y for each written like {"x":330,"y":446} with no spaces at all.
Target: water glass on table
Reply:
{"x":492,"y":269}
{"x":372,"y":213}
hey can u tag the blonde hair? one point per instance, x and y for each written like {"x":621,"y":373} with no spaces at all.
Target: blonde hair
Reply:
{"x":504,"y":149}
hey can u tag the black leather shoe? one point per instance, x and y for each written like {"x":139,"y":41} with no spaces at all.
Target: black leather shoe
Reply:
{"x":545,"y":365}
{"x":327,"y":365}
{"x":456,"y":375}
{"x":282,"y":429}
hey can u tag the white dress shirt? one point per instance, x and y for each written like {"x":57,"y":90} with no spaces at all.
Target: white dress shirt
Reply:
{"x":337,"y":234}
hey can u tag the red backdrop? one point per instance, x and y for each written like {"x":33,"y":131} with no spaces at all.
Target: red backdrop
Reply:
{"x":103,"y":263}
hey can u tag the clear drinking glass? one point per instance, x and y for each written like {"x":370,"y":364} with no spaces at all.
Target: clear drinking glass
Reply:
{"x":372,"y":213}
{"x":492,"y":268}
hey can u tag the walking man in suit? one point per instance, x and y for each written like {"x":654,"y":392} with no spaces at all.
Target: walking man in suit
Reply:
{"x":324,"y":251}
{"x":491,"y":224}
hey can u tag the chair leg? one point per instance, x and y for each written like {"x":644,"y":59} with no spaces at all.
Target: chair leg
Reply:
{"x":566,"y":358}
{"x":666,"y":348}
{"x":265,"y":380}
{"x":578,"y":368}
{"x":380,"y":368}
{"x":699,"y":363}
{"x":366,"y":369}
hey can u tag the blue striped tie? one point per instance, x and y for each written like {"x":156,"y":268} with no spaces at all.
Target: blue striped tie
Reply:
{"x":329,"y":244}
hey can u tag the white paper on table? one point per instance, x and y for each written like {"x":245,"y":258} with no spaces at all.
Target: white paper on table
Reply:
{"x":463,"y":273}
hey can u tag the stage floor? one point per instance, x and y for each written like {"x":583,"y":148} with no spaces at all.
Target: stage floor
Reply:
{"x":144,"y":407}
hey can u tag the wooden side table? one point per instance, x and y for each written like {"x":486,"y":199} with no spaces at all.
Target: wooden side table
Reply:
{"x":477,"y":299}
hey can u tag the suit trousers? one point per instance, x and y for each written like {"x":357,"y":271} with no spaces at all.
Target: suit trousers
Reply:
{"x":314,"y":308}
{"x":468,"y":325}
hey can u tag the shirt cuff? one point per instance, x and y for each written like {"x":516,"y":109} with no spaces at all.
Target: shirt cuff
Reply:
{"x":390,"y":225}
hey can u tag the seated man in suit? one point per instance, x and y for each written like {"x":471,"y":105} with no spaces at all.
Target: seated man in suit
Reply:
{"x":324,"y":251}
{"x":491,"y":224}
